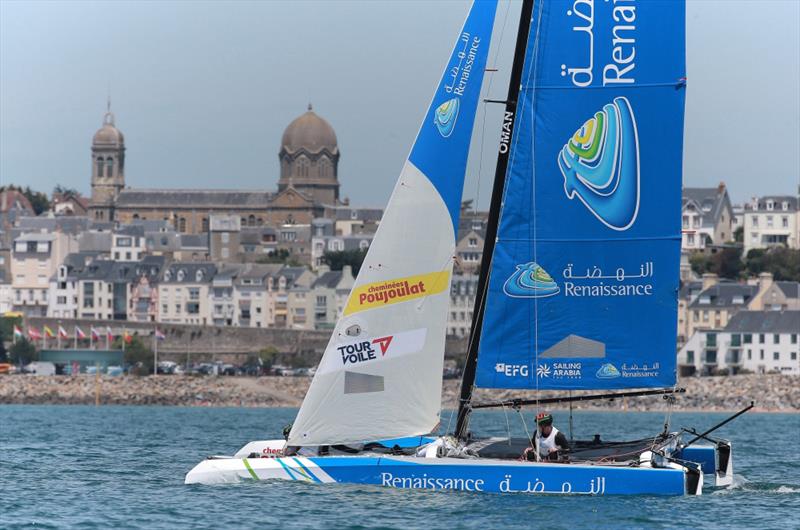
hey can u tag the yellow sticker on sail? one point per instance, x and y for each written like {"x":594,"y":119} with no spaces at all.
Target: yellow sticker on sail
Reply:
{"x":394,"y":291}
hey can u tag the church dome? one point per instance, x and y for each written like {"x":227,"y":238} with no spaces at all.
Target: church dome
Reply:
{"x":309,"y":132}
{"x":108,"y":133}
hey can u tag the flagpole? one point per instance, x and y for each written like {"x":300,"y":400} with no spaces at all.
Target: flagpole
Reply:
{"x":76,"y":336}
{"x":155,"y":353}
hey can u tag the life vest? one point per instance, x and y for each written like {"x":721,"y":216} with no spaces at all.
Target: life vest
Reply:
{"x":546,"y":444}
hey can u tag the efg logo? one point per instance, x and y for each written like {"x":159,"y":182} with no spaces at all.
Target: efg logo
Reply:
{"x":600,"y":165}
{"x":511,"y":370}
{"x":445,"y":116}
{"x":530,"y":280}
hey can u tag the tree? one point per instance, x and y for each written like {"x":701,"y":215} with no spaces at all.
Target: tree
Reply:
{"x":39,"y":201}
{"x":782,"y":262}
{"x":726,"y":263}
{"x":63,"y":190}
{"x":23,"y":352}
{"x":137,"y":355}
{"x":338,"y":259}
{"x":738,"y":235}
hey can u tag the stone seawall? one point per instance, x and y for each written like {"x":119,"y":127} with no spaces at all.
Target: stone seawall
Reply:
{"x":771,"y":392}
{"x":229,"y":344}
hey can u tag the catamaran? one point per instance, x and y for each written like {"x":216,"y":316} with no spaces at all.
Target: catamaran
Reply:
{"x":577,"y":288}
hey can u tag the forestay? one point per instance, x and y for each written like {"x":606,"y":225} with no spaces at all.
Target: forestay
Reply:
{"x":381,"y":374}
{"x":584,"y":277}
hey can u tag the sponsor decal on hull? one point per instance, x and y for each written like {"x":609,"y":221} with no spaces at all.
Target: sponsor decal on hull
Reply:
{"x":389,"y":292}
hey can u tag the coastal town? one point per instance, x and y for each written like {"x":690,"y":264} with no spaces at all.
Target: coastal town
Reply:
{"x":130,"y":281}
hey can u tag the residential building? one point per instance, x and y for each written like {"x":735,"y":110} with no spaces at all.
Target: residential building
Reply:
{"x":63,"y":285}
{"x":463,"y":289}
{"x":706,"y":217}
{"x":34,"y":259}
{"x":755,"y":341}
{"x":775,"y":296}
{"x":716,"y":304}
{"x":128,"y":243}
{"x":469,"y":251}
{"x":329,"y":294}
{"x":184,"y":293}
{"x":771,"y":221}
{"x":223,"y":307}
{"x":109,"y":290}
{"x":256,"y":288}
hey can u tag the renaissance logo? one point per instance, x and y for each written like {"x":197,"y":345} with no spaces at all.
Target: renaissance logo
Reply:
{"x":530,"y":280}
{"x":445,"y":117}
{"x":608,"y":371}
{"x":600,"y":165}
{"x":394,"y":291}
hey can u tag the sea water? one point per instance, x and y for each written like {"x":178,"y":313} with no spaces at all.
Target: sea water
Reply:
{"x":123,"y":467}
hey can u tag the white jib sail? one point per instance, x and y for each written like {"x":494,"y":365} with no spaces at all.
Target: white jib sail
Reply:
{"x":381,"y":374}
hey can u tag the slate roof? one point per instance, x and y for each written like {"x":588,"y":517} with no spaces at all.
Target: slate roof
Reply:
{"x":690,"y":287}
{"x":778,"y":200}
{"x":789,"y":289}
{"x":130,"y":230}
{"x":149,"y":198}
{"x":66,"y":224}
{"x":194,"y":240}
{"x":722,"y":294}
{"x":328,"y":279}
{"x":765,"y":322}
{"x":711,"y":202}
{"x":190,"y":270}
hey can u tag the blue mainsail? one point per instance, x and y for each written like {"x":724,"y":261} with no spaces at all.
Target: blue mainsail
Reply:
{"x":584,"y":276}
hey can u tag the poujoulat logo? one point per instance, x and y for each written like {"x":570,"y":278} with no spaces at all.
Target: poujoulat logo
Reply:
{"x":389,"y":292}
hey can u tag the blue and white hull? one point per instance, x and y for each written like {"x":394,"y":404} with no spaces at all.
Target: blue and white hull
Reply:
{"x":651,"y":477}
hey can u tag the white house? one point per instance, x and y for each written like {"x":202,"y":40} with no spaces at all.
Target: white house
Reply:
{"x":771,"y":221}
{"x":757,"y":341}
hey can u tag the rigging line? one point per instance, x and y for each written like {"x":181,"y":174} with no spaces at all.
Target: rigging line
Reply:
{"x":485,"y":106}
{"x":532,"y":74}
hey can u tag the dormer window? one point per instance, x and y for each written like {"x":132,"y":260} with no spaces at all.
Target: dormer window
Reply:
{"x":199,"y":275}
{"x":785,"y":206}
{"x":738,"y":299}
{"x":181,"y":275}
{"x":167,"y":276}
{"x":705,"y":299}
{"x":770,"y":205}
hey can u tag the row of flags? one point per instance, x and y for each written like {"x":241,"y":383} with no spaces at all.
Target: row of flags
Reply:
{"x":61,"y":333}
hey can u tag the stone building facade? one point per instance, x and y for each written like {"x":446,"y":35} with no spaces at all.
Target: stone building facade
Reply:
{"x":308,"y":183}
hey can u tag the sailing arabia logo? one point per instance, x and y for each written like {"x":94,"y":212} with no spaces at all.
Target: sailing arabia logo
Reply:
{"x":530,"y":280}
{"x":445,"y":117}
{"x":600,"y":165}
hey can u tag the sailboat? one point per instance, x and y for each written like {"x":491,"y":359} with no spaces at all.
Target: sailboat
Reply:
{"x":577,"y":289}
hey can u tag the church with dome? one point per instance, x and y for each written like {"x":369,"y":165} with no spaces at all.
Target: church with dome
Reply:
{"x":307,"y":187}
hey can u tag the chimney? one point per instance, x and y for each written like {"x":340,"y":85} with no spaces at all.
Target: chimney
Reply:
{"x":721,"y":187}
{"x":764,"y":281}
{"x":709,"y":280}
{"x":347,"y":272}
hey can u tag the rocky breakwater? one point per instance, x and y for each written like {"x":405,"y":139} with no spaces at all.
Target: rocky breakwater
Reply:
{"x":780,"y":393}
{"x":160,"y":390}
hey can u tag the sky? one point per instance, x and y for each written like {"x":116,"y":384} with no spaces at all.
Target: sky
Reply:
{"x":203,"y":90}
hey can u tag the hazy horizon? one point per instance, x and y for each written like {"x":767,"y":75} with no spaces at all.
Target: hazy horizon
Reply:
{"x":203,"y":91}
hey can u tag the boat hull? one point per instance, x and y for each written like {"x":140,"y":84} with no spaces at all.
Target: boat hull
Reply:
{"x":478,"y":475}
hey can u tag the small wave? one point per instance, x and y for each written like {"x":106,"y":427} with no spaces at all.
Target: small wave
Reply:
{"x":787,"y":489}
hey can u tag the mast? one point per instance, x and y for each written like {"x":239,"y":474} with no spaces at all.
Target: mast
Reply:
{"x":506,"y":135}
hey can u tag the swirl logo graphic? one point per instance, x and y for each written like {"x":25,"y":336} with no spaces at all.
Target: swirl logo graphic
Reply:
{"x":445,"y":117}
{"x":530,"y":280}
{"x":608,"y":371}
{"x":600,"y":164}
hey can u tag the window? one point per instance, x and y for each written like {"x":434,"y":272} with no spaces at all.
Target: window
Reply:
{"x":785,"y":222}
{"x":61,"y":300}
{"x":204,"y":224}
{"x":696,"y":316}
{"x":178,"y":309}
{"x":182,"y":224}
{"x":794,"y":355}
{"x":302,"y":166}
{"x":690,"y":357}
{"x":128,"y":256}
{"x":711,"y":356}
{"x":749,"y":354}
{"x":748,"y":338}
{"x":755,"y":221}
{"x":473,"y":242}
{"x":685,"y":221}
{"x":251,"y":220}
{"x":761,"y":338}
{"x":116,"y":256}
{"x":711,"y":340}
{"x":193,"y":308}
{"x":322,"y":301}
{"x":776,"y":339}
{"x":100,"y":166}
{"x":705,"y":316}
{"x":769,"y":221}
{"x":761,"y":354}
{"x":109,"y":167}
{"x":794,"y":338}
{"x":690,"y":239}
{"x":776,"y":356}
{"x":194,"y":293}
{"x":164,"y":308}
{"x":736,"y":340}
{"x":225,"y":237}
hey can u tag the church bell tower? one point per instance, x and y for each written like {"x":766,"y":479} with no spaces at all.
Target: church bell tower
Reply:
{"x":108,"y":168}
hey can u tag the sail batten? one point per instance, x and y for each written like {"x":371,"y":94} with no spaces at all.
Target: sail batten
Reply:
{"x":584,"y":273}
{"x":381,"y":374}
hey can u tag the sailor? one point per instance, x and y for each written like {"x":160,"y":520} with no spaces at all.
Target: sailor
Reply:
{"x":547,"y":439}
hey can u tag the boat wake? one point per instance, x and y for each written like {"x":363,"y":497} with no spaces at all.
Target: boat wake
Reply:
{"x":741,"y":484}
